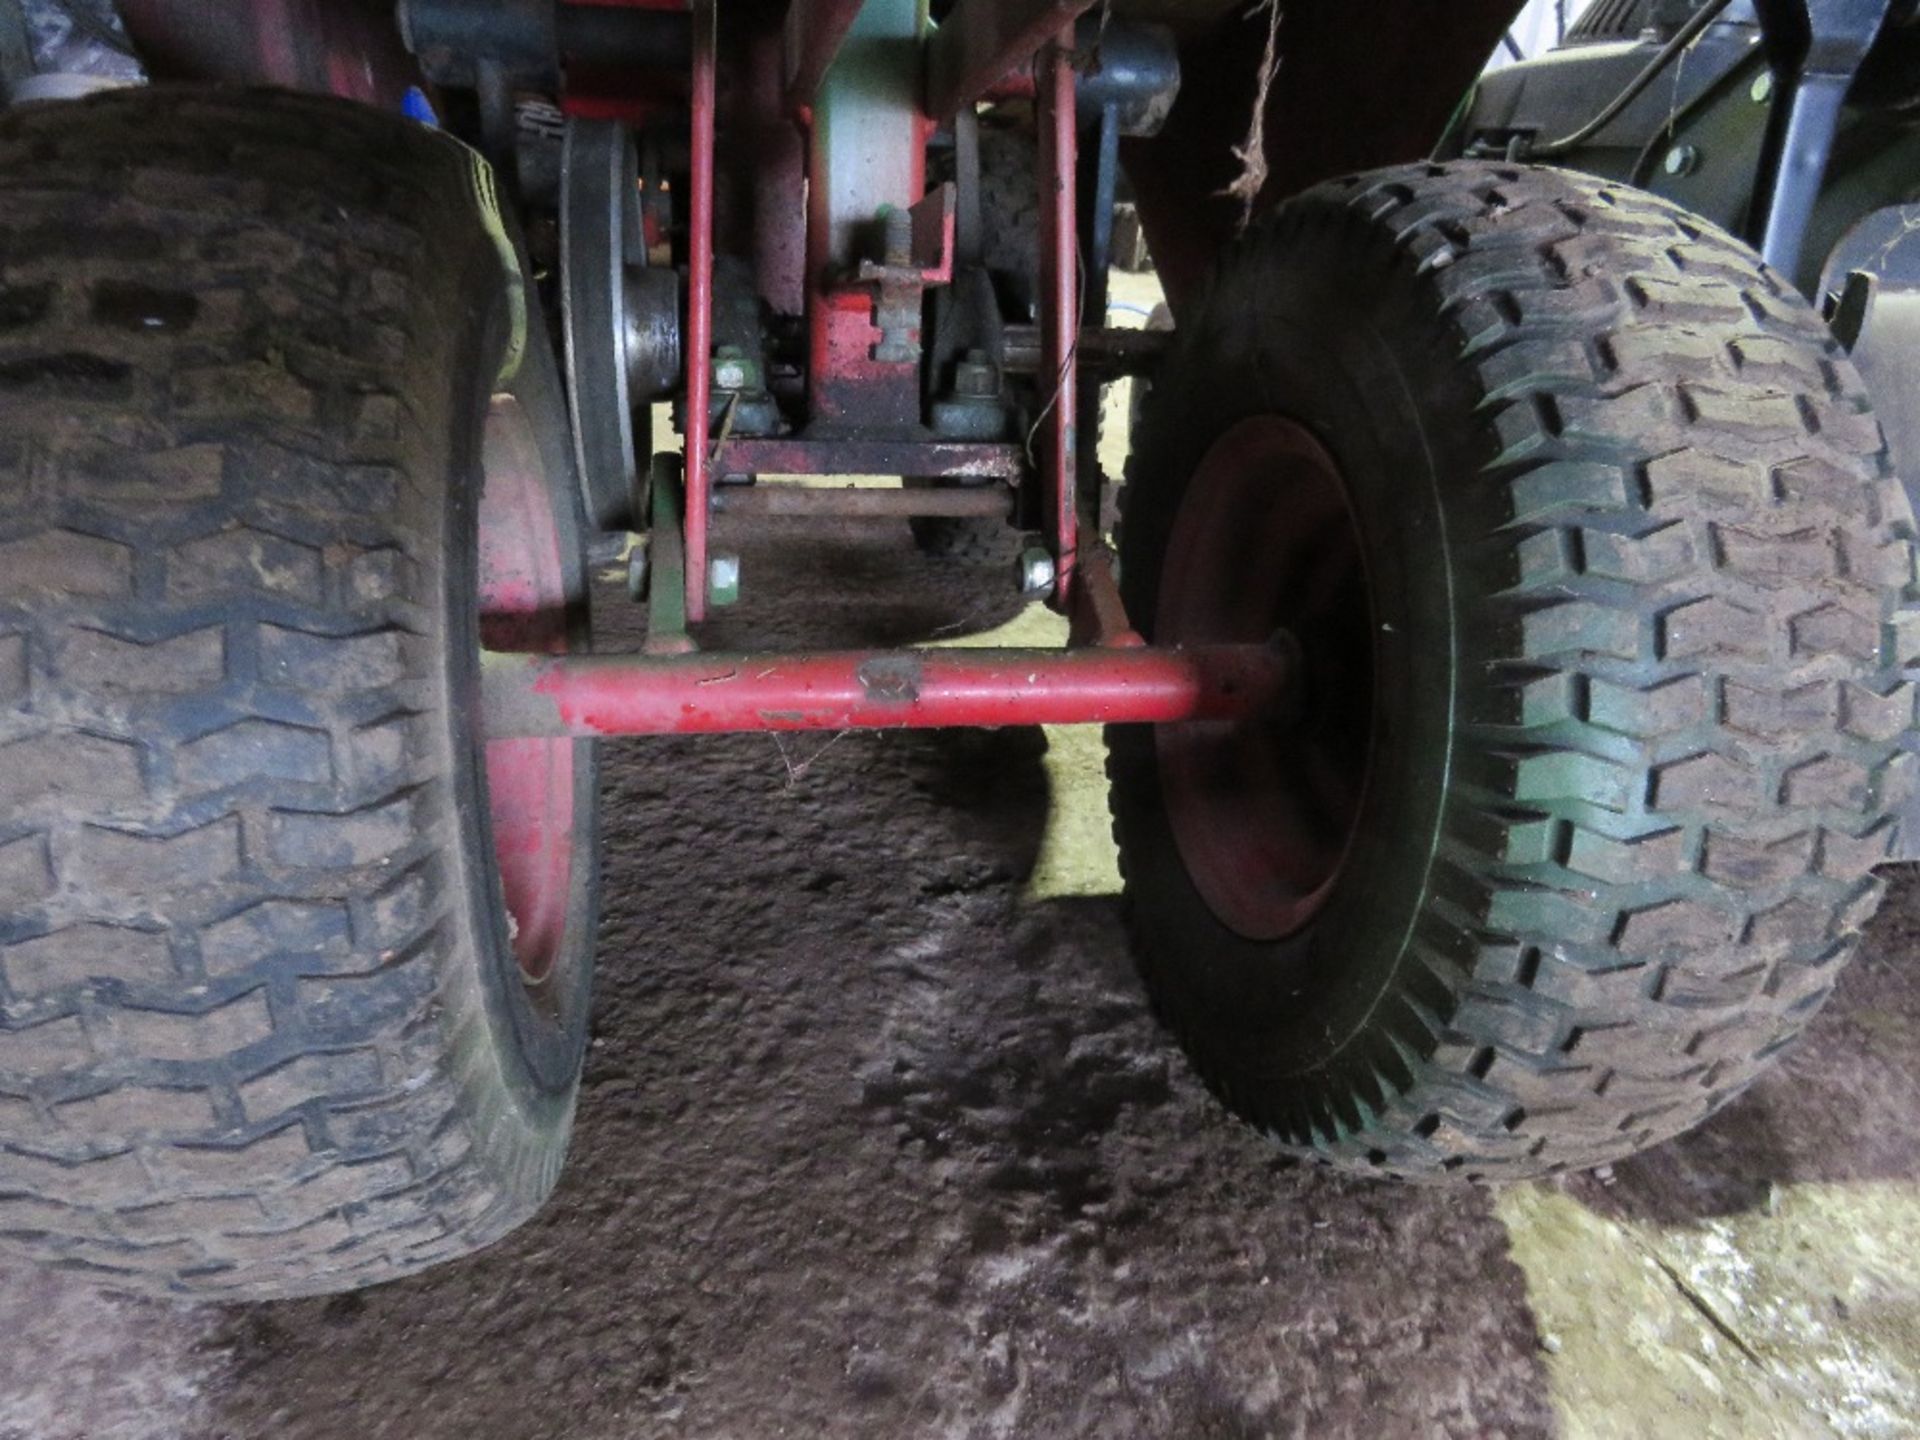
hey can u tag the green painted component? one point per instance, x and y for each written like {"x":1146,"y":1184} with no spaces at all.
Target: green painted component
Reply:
{"x":667,"y":560}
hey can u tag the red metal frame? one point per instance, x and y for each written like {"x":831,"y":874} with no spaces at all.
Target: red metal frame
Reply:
{"x":769,"y":502}
{"x":938,"y":459}
{"x":699,"y":347}
{"x":864,"y":406}
{"x":866,"y":410}
{"x":704,"y":694}
{"x":1060,"y":307}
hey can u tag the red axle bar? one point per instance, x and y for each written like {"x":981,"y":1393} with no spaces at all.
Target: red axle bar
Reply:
{"x":528,"y":695}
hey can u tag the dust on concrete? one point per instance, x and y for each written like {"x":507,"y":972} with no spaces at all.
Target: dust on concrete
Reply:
{"x":76,"y":1364}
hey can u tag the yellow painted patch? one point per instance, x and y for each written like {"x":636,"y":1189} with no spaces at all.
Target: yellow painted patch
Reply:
{"x":1076,"y":852}
{"x":1798,"y":1320}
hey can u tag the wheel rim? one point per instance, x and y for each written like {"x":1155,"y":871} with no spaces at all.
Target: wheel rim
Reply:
{"x":523,"y":607}
{"x":1265,"y":549}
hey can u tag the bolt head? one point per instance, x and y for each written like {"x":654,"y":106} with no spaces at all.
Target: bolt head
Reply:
{"x":1681,"y":160}
{"x":975,"y":378}
{"x":1034,"y":573}
{"x":1762,"y":88}
{"x":734,"y":369}
{"x":723,"y":577}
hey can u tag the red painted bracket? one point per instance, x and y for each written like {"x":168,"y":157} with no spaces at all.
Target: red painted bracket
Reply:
{"x":934,"y":219}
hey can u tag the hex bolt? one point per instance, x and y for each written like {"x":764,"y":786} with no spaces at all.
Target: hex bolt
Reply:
{"x":723,"y":577}
{"x":899,"y":239}
{"x":1034,"y":573}
{"x":733,"y":370}
{"x":1681,"y":160}
{"x":975,"y":378}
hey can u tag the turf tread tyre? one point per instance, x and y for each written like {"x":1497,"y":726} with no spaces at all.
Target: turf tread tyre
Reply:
{"x":240,"y":1053}
{"x":1681,"y":601}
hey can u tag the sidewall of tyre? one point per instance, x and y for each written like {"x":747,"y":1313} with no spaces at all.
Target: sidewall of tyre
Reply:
{"x":263,"y":1033}
{"x":1607,"y":864}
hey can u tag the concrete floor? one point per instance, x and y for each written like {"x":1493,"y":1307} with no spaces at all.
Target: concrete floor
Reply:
{"x":877,"y":1139}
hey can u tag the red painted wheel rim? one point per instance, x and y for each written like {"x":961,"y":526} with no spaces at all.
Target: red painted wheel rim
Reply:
{"x":523,"y":607}
{"x":1265,"y":548}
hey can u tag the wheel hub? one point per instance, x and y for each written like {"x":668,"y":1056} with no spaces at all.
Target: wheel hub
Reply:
{"x":523,"y":608}
{"x":1265,"y":549}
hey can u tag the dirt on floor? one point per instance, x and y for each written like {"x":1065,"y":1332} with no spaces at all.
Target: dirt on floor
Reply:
{"x":878,"y":1139}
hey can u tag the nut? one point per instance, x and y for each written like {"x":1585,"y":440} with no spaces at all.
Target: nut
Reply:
{"x":734,"y":370}
{"x":1681,"y":160}
{"x":1034,"y":573}
{"x":723,"y":577}
{"x":975,"y":378}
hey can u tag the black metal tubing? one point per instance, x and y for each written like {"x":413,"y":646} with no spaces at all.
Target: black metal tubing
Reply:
{"x":1668,"y":53}
{"x":1815,"y":48}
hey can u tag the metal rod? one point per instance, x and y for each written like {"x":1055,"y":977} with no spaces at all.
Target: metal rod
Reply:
{"x":991,"y":502}
{"x":711,"y":693}
{"x":700,"y":312}
{"x":935,"y":459}
{"x":1109,"y":350}
{"x":1816,"y":50}
{"x":1060,"y":305}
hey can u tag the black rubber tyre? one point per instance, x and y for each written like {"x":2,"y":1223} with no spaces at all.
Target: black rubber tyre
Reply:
{"x":263,"y":1033}
{"x":1637,"y":574}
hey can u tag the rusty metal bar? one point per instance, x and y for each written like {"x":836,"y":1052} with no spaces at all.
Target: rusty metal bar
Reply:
{"x":1098,"y":615}
{"x":700,"y":312}
{"x":983,"y":40}
{"x":986,"y":502}
{"x":1059,"y":310}
{"x":1107,"y":350}
{"x":815,"y":30}
{"x":590,"y":695}
{"x":935,"y":459}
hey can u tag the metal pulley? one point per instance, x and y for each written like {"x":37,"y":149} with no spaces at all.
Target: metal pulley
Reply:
{"x":621,"y":315}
